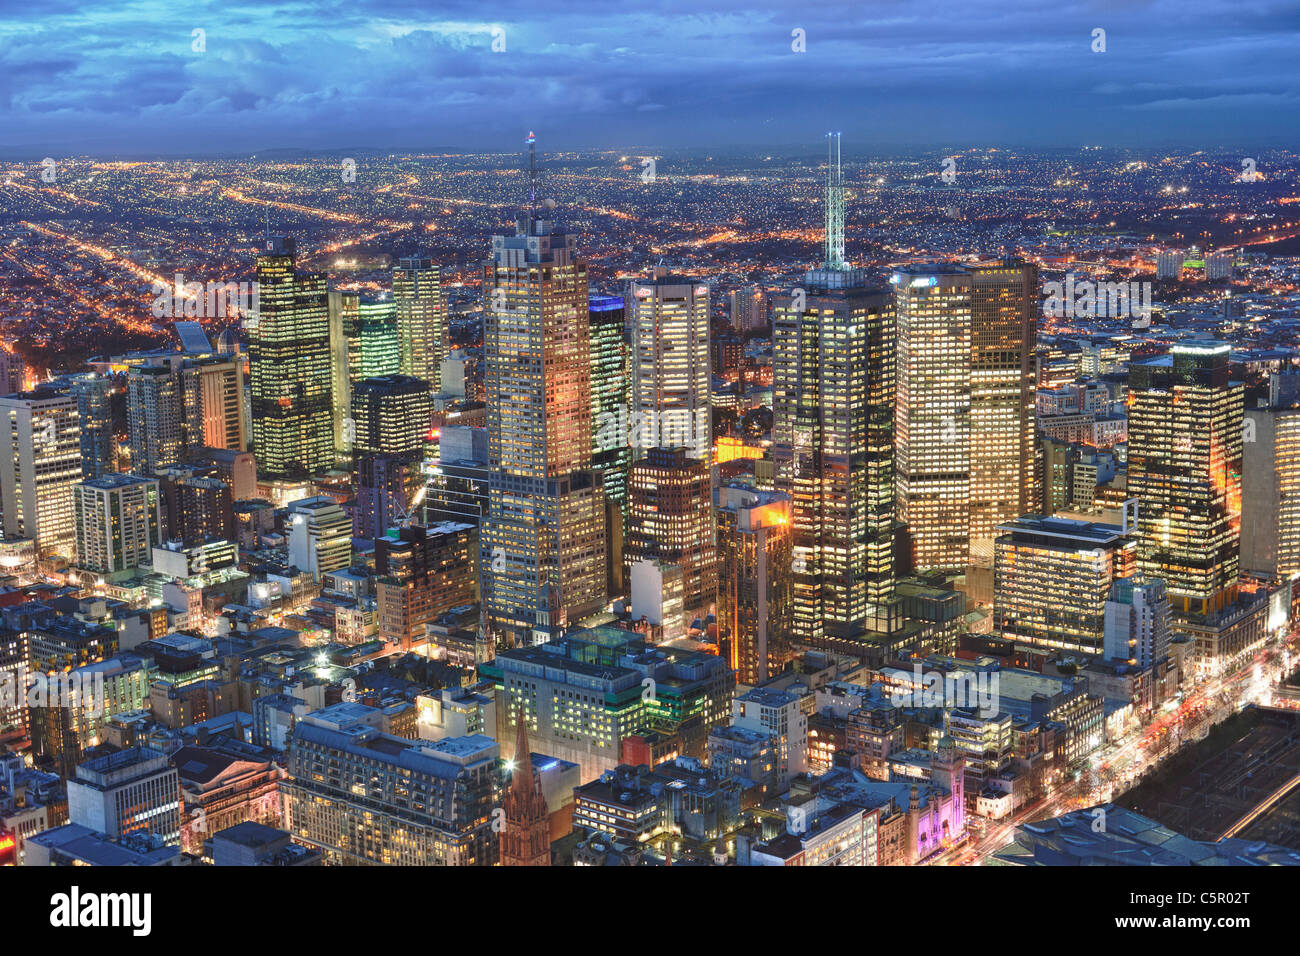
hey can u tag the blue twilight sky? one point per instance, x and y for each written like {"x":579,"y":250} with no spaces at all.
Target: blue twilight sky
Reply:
{"x":106,"y":77}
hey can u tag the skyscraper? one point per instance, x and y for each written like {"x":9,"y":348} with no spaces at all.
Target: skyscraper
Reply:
{"x":40,"y":464}
{"x":610,"y":442}
{"x":755,"y":593}
{"x":1184,"y":464}
{"x":380,"y":344}
{"x":94,"y":395}
{"x":1270,"y":491}
{"x":670,"y":519}
{"x":544,"y":535}
{"x":964,"y":418}
{"x":213,"y":392}
{"x":155,"y":415}
{"x":289,"y":364}
{"x":391,"y":415}
{"x":671,"y":369}
{"x":833,"y":354}
{"x":119,"y":522}
{"x":417,"y":289}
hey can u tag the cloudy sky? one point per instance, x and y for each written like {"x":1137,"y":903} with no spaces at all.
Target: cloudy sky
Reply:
{"x":125,"y":78}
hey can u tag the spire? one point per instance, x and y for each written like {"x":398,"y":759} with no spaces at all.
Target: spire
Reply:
{"x":834,"y":251}
{"x":532,"y":177}
{"x":523,"y":775}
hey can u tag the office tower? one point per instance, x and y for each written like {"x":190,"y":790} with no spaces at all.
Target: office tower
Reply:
{"x":748,"y":308}
{"x":1218,"y":266}
{"x":391,"y":415}
{"x":833,"y":355}
{"x":94,"y":395}
{"x":289,"y":367}
{"x":1184,"y":464}
{"x":155,"y":415}
{"x":1137,"y":622}
{"x":346,"y":778}
{"x":1270,"y":493}
{"x":135,"y":790}
{"x":205,"y":510}
{"x":755,"y":589}
{"x":417,"y":290}
{"x":1169,"y":264}
{"x":670,"y":519}
{"x":458,"y":481}
{"x":390,"y":489}
{"x":1052,"y":578}
{"x":40,"y":464}
{"x":657,"y":594}
{"x":584,"y":694}
{"x":421,"y":574}
{"x":345,"y":365}
{"x":214,"y":405}
{"x":610,"y":441}
{"x":671,"y":377}
{"x":1003,"y":453}
{"x":966,"y":457}
{"x":13,"y":371}
{"x":13,"y":673}
{"x":778,"y":714}
{"x":119,"y":522}
{"x":526,"y":837}
{"x":544,"y":536}
{"x":610,"y":391}
{"x":380,"y":345}
{"x":320,"y":536}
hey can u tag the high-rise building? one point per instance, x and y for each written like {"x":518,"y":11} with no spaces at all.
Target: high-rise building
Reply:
{"x":671,"y":370}
{"x":526,"y":837}
{"x":422,"y":573}
{"x":320,"y":536}
{"x":380,"y":344}
{"x":1270,"y":493}
{"x":966,"y":453}
{"x":214,"y":405}
{"x":40,"y":465}
{"x":1137,"y":622}
{"x":155,"y":415}
{"x":670,"y":519}
{"x":13,"y":371}
{"x":94,"y":395}
{"x":1218,"y":266}
{"x":755,"y":592}
{"x":1184,"y":465}
{"x":1052,"y":579}
{"x":544,"y":536}
{"x":289,"y":366}
{"x":833,"y":355}
{"x":1169,"y":264}
{"x":417,"y":289}
{"x":391,"y":415}
{"x":389,"y":489}
{"x":345,"y":365}
{"x":748,"y":308}
{"x":610,"y":442}
{"x":119,"y":522}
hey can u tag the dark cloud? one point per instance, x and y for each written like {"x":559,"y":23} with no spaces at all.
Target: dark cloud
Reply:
{"x":594,"y":73}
